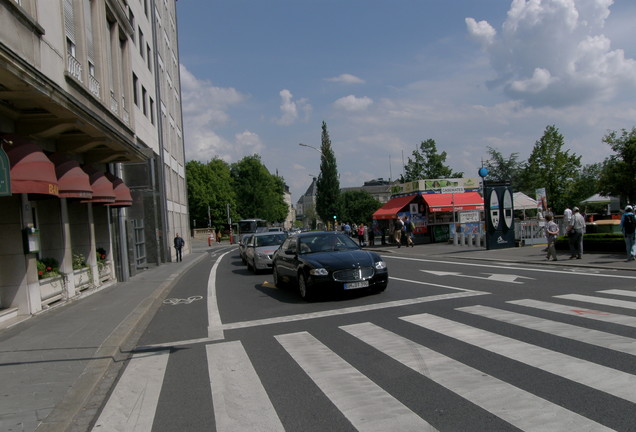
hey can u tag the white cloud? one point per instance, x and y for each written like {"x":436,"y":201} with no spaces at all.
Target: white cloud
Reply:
{"x":346,"y":79}
{"x":352,"y":103}
{"x":290,"y":108}
{"x":205,"y":110}
{"x":553,"y":53}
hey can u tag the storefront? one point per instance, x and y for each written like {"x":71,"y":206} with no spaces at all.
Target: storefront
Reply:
{"x":439,"y":208}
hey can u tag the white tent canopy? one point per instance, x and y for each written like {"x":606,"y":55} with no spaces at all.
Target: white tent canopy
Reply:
{"x":522,"y":201}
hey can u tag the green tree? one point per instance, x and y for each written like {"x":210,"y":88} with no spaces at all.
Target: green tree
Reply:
{"x":427,"y":164}
{"x":586,"y":182}
{"x":551,"y":168}
{"x":619,"y":169}
{"x":501,"y":169}
{"x":357,"y":207}
{"x":259,"y":194}
{"x":209,"y":187}
{"x":327,"y":185}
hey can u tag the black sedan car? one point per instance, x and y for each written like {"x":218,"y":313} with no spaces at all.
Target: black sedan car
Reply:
{"x":319,"y":261}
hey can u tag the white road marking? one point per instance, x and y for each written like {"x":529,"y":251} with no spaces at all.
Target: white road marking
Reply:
{"x":625,"y":320}
{"x":133,"y":403}
{"x":599,"y":300}
{"x":514,"y":405}
{"x":364,"y":403}
{"x":497,"y":277}
{"x":619,"y":292}
{"x":599,"y":377}
{"x":349,"y":310}
{"x":215,"y":326}
{"x":569,"y":331}
{"x":239,"y":398}
{"x":502,"y":265}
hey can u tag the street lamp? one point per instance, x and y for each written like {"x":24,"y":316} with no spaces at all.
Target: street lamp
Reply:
{"x":307,"y":145}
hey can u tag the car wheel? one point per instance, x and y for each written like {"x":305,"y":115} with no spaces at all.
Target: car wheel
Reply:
{"x":305,"y":291}
{"x":277,"y":279}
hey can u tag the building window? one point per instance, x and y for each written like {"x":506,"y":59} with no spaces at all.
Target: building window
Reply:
{"x":143,"y":101}
{"x":141,"y":43}
{"x":135,"y":89}
{"x":149,"y":57}
{"x":152,"y":111}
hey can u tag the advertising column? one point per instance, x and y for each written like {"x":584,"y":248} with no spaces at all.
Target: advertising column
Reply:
{"x":500,"y":230}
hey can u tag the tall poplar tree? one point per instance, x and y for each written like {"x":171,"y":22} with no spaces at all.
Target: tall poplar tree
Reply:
{"x":327,"y":185}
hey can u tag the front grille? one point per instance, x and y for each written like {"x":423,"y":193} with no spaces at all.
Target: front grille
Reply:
{"x":354,"y":274}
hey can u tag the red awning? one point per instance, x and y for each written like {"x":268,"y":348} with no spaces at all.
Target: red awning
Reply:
{"x":454,"y":202}
{"x":122,"y":192}
{"x":391,"y":208}
{"x":72,"y":180}
{"x":31,"y":171}
{"x":102,"y":187}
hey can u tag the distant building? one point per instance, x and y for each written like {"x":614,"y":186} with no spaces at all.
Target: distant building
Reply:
{"x":379,"y":189}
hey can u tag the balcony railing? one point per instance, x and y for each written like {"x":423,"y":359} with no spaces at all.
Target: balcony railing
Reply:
{"x":114,"y":105}
{"x":94,"y":87}
{"x":74,"y":68}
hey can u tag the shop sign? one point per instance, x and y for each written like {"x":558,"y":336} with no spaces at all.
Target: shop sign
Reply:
{"x":453,"y":185}
{"x":469,"y":217}
{"x":5,"y":174}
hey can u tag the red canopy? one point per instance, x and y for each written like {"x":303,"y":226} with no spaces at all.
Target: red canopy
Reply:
{"x":454,"y":202}
{"x":391,"y":208}
{"x":73,"y":181}
{"x":102,"y":187}
{"x":122,"y":192}
{"x":31,"y":171}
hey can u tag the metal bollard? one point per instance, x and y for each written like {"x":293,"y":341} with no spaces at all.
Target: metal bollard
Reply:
{"x":463,"y":239}
{"x":470,"y":240}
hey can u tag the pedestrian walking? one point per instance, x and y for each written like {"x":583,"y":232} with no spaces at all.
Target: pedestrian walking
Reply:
{"x":397,"y":232}
{"x":551,"y":233}
{"x":575,"y":233}
{"x":628,"y":226}
{"x":409,"y":227}
{"x":178,"y":246}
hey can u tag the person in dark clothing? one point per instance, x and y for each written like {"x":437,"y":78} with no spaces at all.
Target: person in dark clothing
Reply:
{"x":178,"y":246}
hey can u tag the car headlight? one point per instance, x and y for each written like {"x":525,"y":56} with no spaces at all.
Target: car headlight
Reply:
{"x":319,"y":272}
{"x":379,"y":265}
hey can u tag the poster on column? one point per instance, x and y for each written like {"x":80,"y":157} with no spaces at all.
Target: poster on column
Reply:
{"x":499,"y":212}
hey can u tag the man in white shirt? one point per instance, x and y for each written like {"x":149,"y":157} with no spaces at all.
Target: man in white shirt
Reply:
{"x":576,"y":228}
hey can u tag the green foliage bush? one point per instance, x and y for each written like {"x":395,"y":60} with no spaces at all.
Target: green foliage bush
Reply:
{"x":605,"y":242}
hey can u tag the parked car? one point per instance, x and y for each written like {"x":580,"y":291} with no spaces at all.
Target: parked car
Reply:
{"x":260,"y":247}
{"x":320,"y":261}
{"x":243,"y":240}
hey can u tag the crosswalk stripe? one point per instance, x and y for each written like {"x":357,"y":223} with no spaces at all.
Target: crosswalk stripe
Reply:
{"x":599,"y":300}
{"x":596,"y":376}
{"x":239,"y":398}
{"x":625,"y":320}
{"x":625,"y":293}
{"x":569,"y":331}
{"x":364,"y":403}
{"x":133,"y":403}
{"x":516,"y":406}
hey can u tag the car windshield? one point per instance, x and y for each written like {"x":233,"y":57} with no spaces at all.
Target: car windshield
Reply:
{"x":326,"y":243}
{"x":269,"y":240}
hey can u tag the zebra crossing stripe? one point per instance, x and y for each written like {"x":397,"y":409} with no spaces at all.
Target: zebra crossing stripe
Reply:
{"x":514,"y":405}
{"x":599,"y":300}
{"x":239,"y":398}
{"x":364,"y":403}
{"x":596,"y":376}
{"x":625,"y":320}
{"x":569,"y":331}
{"x":620,"y":292}
{"x":133,"y":403}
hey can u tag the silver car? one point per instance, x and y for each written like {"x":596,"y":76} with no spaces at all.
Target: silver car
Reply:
{"x":260,"y":248}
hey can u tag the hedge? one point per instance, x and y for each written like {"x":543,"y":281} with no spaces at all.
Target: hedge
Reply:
{"x":606,"y":242}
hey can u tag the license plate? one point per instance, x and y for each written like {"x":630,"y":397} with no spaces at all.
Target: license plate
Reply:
{"x":354,"y":285}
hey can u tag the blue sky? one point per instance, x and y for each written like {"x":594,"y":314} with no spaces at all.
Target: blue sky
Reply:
{"x":260,"y":77}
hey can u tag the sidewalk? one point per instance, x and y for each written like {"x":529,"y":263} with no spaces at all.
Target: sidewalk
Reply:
{"x":51,"y":365}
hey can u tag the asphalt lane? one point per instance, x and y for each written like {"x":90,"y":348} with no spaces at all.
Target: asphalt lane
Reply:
{"x":459,"y":316}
